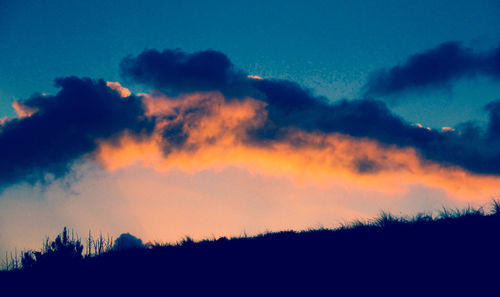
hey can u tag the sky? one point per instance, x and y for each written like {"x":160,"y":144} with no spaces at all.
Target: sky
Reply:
{"x":219,"y":118}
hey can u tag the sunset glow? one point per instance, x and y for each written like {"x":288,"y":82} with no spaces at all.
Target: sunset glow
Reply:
{"x":207,"y":119}
{"x":216,"y":140}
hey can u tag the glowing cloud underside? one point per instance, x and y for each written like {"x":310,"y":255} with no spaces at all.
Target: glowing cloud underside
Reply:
{"x":254,"y":77}
{"x":214,"y":137}
{"x":22,"y":110}
{"x":124,"y":92}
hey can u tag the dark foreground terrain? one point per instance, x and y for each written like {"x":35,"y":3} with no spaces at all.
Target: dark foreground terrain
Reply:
{"x":455,"y":253}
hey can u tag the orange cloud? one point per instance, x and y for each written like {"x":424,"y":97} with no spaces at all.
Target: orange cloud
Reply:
{"x":3,"y":120}
{"x":124,"y":92}
{"x":254,"y":77}
{"x":22,"y":110}
{"x":216,"y":139}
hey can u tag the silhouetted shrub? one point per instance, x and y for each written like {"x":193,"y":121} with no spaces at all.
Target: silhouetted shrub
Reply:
{"x":60,"y":252}
{"x":127,"y":241}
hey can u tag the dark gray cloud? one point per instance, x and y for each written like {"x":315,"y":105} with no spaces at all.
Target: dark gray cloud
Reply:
{"x":65,"y":127}
{"x":493,"y":108}
{"x":435,"y":68}
{"x":177,"y":71}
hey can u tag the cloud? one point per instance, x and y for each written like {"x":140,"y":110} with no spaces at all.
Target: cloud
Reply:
{"x":124,"y":92}
{"x":3,"y":120}
{"x":436,"y":68}
{"x":23,"y":110}
{"x":289,"y":105}
{"x":64,"y":128}
{"x":218,"y":117}
{"x":215,"y":136}
{"x":254,"y":77}
{"x":493,"y":109}
{"x":177,"y":71}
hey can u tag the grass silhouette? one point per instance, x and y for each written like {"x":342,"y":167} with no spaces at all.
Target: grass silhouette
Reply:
{"x":455,"y":252}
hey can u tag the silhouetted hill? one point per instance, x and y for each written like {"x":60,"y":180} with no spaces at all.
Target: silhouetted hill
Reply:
{"x":456,"y":253}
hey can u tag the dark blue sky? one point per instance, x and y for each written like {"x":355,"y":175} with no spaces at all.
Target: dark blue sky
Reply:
{"x":329,"y":46}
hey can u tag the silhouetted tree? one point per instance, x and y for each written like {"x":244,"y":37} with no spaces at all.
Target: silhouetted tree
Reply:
{"x":127,"y":241}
